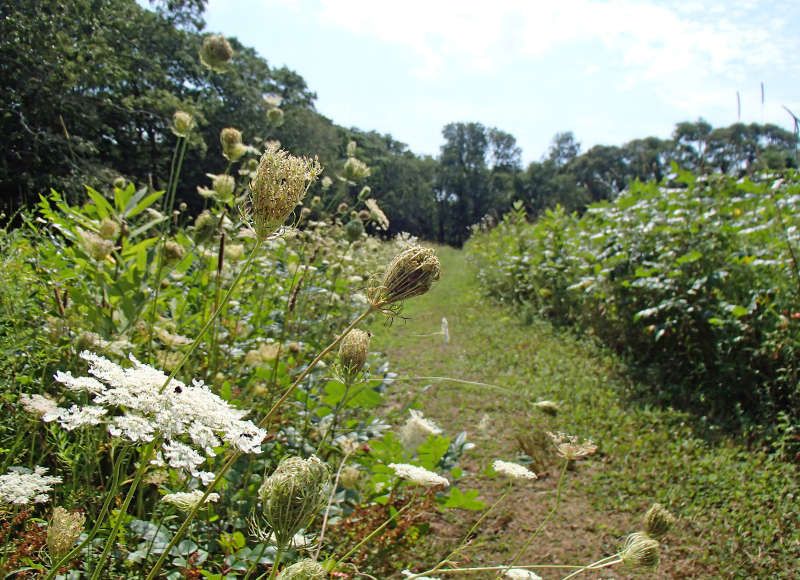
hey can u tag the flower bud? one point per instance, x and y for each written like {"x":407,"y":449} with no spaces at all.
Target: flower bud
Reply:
{"x":280,"y":183}
{"x":120,"y":182}
{"x":231,"y":141}
{"x":109,"y":228}
{"x":182,"y":123}
{"x":63,"y":531}
{"x":173,"y":251}
{"x":351,"y":148}
{"x":205,"y":225}
{"x":293,"y":495}
{"x":307,"y":569}
{"x":364,"y":193}
{"x":216,"y":52}
{"x":326,"y":183}
{"x":275,"y":116}
{"x":94,"y":245}
{"x":350,"y":477}
{"x":353,"y":230}
{"x":355,"y":169}
{"x":353,"y":352}
{"x":658,"y":521}
{"x":411,"y":273}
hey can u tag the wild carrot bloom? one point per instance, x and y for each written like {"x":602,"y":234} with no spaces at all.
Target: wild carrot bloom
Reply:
{"x":377,"y":213}
{"x":418,"y":475}
{"x":21,"y":486}
{"x":44,"y":407}
{"x":521,"y":574}
{"x":187,"y":417}
{"x":417,"y":430}
{"x":186,"y":501}
{"x":513,"y":470}
{"x":570,"y":448}
{"x":182,"y":123}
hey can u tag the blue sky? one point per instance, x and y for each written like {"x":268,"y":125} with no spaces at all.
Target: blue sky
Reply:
{"x":609,"y":71}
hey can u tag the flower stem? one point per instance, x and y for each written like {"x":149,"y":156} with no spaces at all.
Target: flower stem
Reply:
{"x":144,"y":461}
{"x":234,"y":456}
{"x":544,"y":522}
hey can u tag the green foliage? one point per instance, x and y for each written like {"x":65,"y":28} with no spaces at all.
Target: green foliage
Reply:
{"x":697,"y":282}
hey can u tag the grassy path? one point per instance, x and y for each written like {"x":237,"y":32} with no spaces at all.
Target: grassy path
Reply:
{"x":737,"y":512}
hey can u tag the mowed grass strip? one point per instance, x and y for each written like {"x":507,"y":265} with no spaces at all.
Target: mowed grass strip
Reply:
{"x":737,"y":509}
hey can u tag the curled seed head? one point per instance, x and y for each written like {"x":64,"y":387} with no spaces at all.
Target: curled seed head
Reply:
{"x":275,"y":116}
{"x":411,"y":273}
{"x":353,"y":352}
{"x":63,"y":531}
{"x":353,"y":229}
{"x":658,"y":521}
{"x":640,"y":551}
{"x":355,"y":169}
{"x":293,"y":495}
{"x":232,"y":147}
{"x":109,"y":228}
{"x":216,"y":52}
{"x":173,"y":251}
{"x":280,"y":183}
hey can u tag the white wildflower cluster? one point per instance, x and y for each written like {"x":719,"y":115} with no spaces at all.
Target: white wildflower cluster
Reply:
{"x":521,"y":574}
{"x":570,"y":447}
{"x":418,"y":475}
{"x":21,"y":486}
{"x":513,"y":470}
{"x":135,"y":407}
{"x":416,"y":430}
{"x":47,"y":409}
{"x":187,"y":500}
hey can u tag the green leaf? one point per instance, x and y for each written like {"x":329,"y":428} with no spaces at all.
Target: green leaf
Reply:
{"x":465,"y":501}
{"x":103,"y":207}
{"x":336,"y":391}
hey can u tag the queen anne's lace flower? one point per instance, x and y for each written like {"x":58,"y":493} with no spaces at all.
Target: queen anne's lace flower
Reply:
{"x":521,"y":574}
{"x":186,"y":416}
{"x":46,"y":408}
{"x":187,"y":500}
{"x":513,"y":470}
{"x":418,"y":475}
{"x":22,"y":486}
{"x":416,"y":430}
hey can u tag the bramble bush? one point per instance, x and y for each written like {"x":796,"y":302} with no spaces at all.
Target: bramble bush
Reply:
{"x":696,"y":280}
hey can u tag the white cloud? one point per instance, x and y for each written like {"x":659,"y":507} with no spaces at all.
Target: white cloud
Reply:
{"x":654,"y":43}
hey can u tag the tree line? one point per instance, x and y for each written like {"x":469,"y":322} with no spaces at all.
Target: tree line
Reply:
{"x":91,"y":87}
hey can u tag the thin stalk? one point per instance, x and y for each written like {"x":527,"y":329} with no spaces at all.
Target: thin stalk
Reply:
{"x":546,"y":519}
{"x":212,"y":318}
{"x":503,"y":567}
{"x":372,"y":534}
{"x":601,"y":563}
{"x":457,"y":549}
{"x":234,"y":456}
{"x":328,"y":507}
{"x":144,"y":462}
{"x":98,"y":522}
{"x":278,"y":556}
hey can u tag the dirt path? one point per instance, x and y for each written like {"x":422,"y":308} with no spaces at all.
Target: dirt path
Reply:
{"x":534,"y":363}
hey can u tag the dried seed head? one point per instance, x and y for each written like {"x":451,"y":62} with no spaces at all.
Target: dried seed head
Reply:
{"x":411,"y":273}
{"x":216,"y":52}
{"x":63,"y":531}
{"x":570,"y":447}
{"x":342,"y":208}
{"x":280,"y":183}
{"x":94,"y":245}
{"x":364,"y":215}
{"x":658,"y":521}
{"x":353,"y":352}
{"x":355,"y":170}
{"x":353,"y":230}
{"x":293,"y":495}
{"x":182,"y":123}
{"x":640,"y":551}
{"x":307,"y":569}
{"x":109,"y":228}
{"x":173,"y":251}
